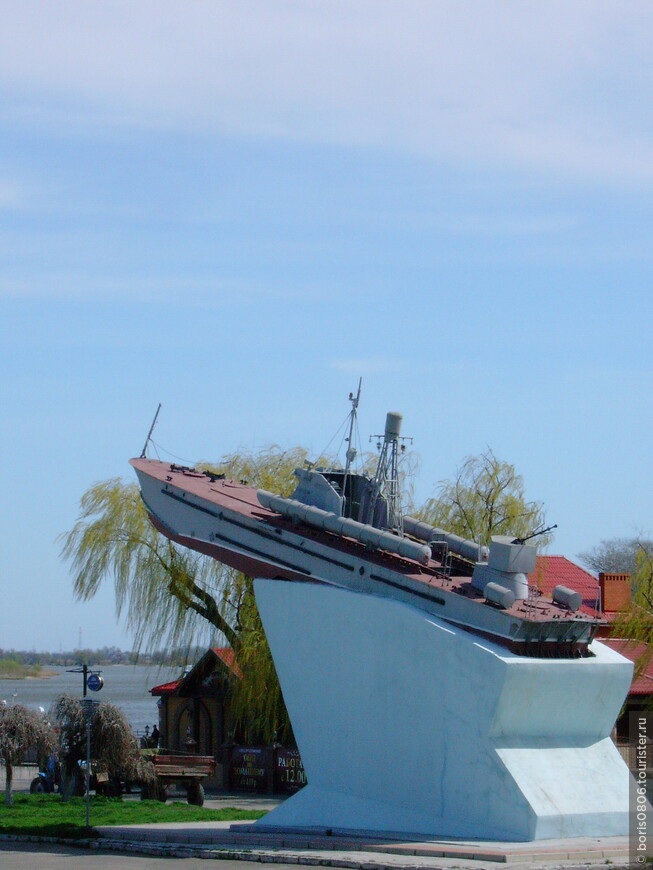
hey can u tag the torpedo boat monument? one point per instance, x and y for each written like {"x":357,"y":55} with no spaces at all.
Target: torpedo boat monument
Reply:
{"x":431,"y":691}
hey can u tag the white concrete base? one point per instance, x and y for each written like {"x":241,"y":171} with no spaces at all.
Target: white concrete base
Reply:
{"x":407,"y":724}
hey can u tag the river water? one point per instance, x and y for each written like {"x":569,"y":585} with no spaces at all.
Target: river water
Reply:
{"x":126,"y":686}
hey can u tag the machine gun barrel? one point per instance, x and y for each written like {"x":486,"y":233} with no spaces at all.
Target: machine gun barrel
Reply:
{"x":535,"y":534}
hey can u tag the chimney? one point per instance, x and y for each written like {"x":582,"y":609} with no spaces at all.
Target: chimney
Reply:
{"x":615,"y":592}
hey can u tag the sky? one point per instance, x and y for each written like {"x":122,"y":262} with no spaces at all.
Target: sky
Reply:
{"x":239,"y":208}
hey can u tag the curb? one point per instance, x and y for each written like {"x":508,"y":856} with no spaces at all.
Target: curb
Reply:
{"x":177,"y":850}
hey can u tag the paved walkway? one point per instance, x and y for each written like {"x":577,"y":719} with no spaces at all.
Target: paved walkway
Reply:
{"x":365,"y":850}
{"x":243,"y":841}
{"x":28,"y":856}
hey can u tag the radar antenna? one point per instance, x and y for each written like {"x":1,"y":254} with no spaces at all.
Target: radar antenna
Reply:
{"x":386,"y":477}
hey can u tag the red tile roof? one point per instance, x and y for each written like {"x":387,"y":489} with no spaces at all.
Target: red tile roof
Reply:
{"x":165,"y":688}
{"x":551,"y":571}
{"x":226,"y":656}
{"x":633,"y":650}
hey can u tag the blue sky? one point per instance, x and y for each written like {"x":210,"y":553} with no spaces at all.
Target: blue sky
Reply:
{"x":237,"y":208}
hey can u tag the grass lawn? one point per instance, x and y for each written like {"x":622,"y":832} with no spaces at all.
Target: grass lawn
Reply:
{"x":47,"y":816}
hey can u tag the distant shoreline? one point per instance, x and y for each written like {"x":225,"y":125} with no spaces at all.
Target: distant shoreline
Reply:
{"x":25,"y":672}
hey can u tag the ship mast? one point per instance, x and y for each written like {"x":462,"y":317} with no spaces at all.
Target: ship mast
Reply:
{"x":386,"y":477}
{"x":149,"y":434}
{"x":351,"y":451}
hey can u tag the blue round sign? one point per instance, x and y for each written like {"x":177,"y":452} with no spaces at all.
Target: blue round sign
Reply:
{"x":94,"y":682}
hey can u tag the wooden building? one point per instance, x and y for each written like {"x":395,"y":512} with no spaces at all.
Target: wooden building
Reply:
{"x":194,"y":710}
{"x":195,"y":717}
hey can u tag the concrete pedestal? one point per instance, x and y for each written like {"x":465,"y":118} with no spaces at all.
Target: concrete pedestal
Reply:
{"x":407,"y":724}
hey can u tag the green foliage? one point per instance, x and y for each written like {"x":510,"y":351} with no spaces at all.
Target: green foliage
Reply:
{"x":485,"y":498}
{"x":171,"y":594}
{"x":270,"y":468}
{"x":632,"y":556}
{"x":257,"y":706}
{"x":34,"y":661}
{"x":636,"y":623}
{"x":165,"y":589}
{"x":11,"y":669}
{"x":46,"y":816}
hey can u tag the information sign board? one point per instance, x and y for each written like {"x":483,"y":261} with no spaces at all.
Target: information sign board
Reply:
{"x":248,"y":769}
{"x":94,"y":682}
{"x":289,"y":774}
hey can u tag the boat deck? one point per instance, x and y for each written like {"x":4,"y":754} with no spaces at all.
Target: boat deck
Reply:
{"x":242,"y":498}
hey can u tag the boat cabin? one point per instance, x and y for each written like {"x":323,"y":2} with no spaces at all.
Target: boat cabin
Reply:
{"x":342,"y":493}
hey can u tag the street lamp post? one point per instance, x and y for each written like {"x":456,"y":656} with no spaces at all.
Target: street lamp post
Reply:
{"x":92,"y":679}
{"x":88,"y":706}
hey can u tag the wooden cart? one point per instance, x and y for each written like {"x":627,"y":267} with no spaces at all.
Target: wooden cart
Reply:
{"x":187,"y":771}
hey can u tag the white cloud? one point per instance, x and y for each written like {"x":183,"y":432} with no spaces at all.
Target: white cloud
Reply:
{"x":557,"y":87}
{"x":366,"y":365}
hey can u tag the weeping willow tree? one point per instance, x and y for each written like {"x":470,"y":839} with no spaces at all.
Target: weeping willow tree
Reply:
{"x":485,"y":498}
{"x":171,"y":596}
{"x":21,"y":729}
{"x":257,"y":705}
{"x":113,"y":745}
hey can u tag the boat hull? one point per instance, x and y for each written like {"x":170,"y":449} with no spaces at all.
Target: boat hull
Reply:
{"x":223,"y":519}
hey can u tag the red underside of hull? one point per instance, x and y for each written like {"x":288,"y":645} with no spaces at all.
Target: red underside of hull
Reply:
{"x":256,"y":568}
{"x":246,"y":564}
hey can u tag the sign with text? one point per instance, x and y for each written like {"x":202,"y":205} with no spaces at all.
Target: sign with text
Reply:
{"x":640,"y":736}
{"x":289,"y":774}
{"x":266,"y":769}
{"x":249,"y":767}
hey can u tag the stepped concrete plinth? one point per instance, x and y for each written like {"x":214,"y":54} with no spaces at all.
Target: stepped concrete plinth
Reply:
{"x":408,"y":724}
